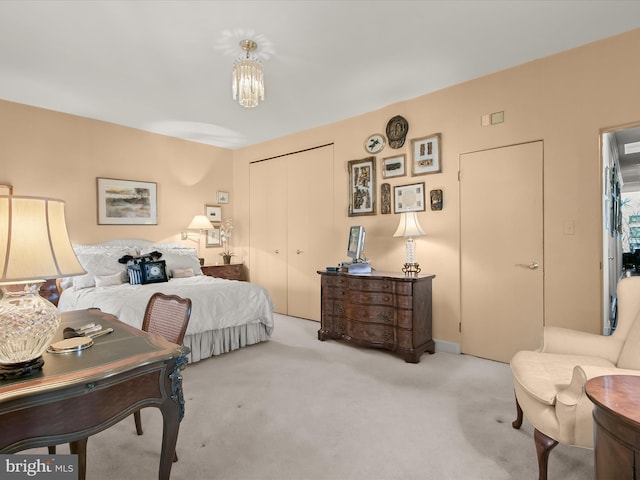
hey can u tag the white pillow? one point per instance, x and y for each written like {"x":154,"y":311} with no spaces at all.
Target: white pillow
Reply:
{"x":84,"y":281}
{"x":182,"y":273}
{"x":107,"y":280}
{"x":100,"y":262}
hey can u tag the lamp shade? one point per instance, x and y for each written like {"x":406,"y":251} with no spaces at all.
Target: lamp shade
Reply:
{"x":409,"y":226}
{"x":200,"y":222}
{"x":34,"y":243}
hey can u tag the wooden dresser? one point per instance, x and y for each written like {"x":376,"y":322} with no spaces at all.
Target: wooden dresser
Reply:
{"x":378,"y":309}
{"x":616,"y":425}
{"x":235,"y":271}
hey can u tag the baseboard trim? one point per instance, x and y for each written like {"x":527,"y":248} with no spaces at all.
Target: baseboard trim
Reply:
{"x":447,"y":347}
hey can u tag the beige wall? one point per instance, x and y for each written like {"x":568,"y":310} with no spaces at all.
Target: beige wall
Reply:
{"x":51,"y":154}
{"x":564,"y":100}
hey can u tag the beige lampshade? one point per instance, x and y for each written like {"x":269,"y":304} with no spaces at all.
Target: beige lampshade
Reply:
{"x":409,"y":226}
{"x":34,"y":243}
{"x":200,"y":222}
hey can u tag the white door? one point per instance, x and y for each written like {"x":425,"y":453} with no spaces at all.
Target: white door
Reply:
{"x":501,"y":251}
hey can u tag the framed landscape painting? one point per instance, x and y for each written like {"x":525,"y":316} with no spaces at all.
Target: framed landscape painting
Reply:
{"x":127,"y":202}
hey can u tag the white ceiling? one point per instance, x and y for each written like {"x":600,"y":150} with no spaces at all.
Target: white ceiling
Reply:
{"x":165,"y":66}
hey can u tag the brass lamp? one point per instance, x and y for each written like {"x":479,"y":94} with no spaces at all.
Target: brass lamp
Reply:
{"x":34,"y":245}
{"x":409,"y":227}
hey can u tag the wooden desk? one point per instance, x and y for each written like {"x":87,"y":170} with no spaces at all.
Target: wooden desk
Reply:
{"x":617,"y":425}
{"x":77,"y":395}
{"x":378,"y":309}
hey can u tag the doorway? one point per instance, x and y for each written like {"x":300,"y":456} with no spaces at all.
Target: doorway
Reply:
{"x":501,"y":251}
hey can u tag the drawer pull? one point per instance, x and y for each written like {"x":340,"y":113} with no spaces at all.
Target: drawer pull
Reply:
{"x":386,"y":316}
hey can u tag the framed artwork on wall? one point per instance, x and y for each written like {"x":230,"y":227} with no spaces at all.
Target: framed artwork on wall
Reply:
{"x":213,"y":238}
{"x":409,"y":198}
{"x":426,"y":155}
{"x":362,"y":187}
{"x":127,"y":202}
{"x":223,"y":197}
{"x":394,"y":166}
{"x":213,"y":213}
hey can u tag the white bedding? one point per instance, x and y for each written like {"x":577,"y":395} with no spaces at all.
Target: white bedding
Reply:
{"x":216,"y":303}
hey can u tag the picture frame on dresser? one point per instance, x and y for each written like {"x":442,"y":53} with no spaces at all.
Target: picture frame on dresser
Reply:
{"x":127,"y":202}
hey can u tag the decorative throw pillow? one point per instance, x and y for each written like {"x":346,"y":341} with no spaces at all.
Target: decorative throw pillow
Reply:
{"x":148,"y":272}
{"x":183,"y":272}
{"x":106,"y":280}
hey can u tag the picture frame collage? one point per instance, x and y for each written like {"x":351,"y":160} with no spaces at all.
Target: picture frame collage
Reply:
{"x":214,"y":214}
{"x":425,"y":159}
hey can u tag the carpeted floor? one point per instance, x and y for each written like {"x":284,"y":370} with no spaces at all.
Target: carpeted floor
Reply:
{"x":295,"y":408}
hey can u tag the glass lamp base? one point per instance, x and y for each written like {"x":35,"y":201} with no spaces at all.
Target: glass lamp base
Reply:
{"x":20,"y":369}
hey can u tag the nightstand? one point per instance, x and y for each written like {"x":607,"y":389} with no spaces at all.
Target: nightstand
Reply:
{"x":235,"y":271}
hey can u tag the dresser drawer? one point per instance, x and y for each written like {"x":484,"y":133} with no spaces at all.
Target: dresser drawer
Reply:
{"x":369,"y":313}
{"x":372,"y":334}
{"x":370,"y":284}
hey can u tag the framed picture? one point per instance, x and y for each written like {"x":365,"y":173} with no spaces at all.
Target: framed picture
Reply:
{"x":362,"y":187}
{"x":409,"y":198}
{"x":426,"y":155}
{"x":127,"y":202}
{"x":213,"y":213}
{"x":6,"y":190}
{"x":213,"y":238}
{"x":394,"y":166}
{"x":223,"y":197}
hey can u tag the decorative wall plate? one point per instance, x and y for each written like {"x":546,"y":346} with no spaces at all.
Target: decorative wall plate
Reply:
{"x":375,"y":143}
{"x":397,"y":129}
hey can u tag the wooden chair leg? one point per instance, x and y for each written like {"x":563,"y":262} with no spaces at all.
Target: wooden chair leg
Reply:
{"x":138,"y":420}
{"x":80,"y":448}
{"x":175,"y":457}
{"x":517,"y":423}
{"x":544,"y":445}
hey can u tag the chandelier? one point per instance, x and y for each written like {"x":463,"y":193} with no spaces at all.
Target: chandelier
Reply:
{"x":248,"y":79}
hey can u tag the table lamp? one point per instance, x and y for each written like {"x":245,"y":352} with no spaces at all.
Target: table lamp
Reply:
{"x":409,"y":227}
{"x":200,"y":223}
{"x":34,"y":245}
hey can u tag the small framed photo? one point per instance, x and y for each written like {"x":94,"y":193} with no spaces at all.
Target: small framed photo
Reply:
{"x":223,"y":197}
{"x":394,"y":166}
{"x":362,"y":187}
{"x":409,"y":198}
{"x":214,"y":238}
{"x":6,"y":190}
{"x":426,"y":155}
{"x":127,"y":202}
{"x":213,"y":213}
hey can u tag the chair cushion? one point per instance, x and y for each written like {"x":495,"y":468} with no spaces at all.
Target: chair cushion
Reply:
{"x":630,"y":354}
{"x":543,"y":375}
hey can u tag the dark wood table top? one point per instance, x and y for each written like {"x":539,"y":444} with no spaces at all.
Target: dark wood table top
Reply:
{"x":124,"y":349}
{"x":619,"y":394}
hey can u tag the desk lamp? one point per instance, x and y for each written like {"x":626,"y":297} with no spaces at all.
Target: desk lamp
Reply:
{"x":34,"y":245}
{"x":409,"y":227}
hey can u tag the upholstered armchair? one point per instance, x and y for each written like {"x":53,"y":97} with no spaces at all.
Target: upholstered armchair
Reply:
{"x":549,"y":382}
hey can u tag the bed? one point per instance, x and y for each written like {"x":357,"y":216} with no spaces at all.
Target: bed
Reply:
{"x":226,"y":314}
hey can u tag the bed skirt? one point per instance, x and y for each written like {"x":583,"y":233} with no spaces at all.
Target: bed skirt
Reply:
{"x":216,"y":342}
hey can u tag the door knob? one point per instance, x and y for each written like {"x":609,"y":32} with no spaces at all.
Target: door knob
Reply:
{"x":277,"y":251}
{"x":298,"y":251}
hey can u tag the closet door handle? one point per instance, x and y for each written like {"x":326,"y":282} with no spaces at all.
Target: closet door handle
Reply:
{"x":276,"y":251}
{"x":298,"y":251}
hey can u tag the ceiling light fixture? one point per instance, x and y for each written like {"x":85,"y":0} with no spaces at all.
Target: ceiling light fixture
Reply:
{"x":248,"y":79}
